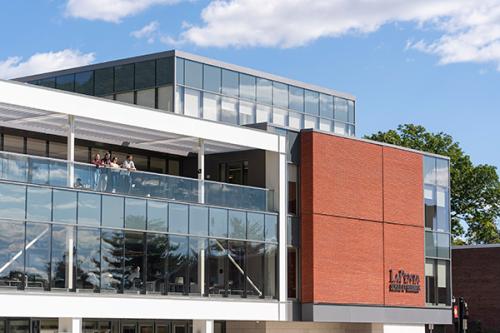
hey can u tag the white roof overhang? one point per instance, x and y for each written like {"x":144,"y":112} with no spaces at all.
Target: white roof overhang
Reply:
{"x":28,"y":107}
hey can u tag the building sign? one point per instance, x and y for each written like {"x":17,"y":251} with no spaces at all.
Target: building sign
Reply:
{"x":403,"y":282}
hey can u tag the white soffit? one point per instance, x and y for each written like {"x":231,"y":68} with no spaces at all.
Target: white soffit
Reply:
{"x":45,"y":110}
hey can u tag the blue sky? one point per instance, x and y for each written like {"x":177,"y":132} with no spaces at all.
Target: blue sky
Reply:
{"x":435,"y":63}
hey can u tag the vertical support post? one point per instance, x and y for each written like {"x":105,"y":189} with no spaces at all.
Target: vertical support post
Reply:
{"x":201,"y":266}
{"x":203,"y":326}
{"x":282,"y":225}
{"x":71,"y":150}
{"x":201,"y":171}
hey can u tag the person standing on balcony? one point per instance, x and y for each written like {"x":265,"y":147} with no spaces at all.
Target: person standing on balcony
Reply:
{"x":115,"y":172}
{"x":130,"y":166}
{"x":97,"y":161}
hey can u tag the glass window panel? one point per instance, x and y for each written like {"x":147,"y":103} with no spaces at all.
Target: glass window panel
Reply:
{"x":157,"y":252}
{"x":264,"y":91}
{"x":145,"y":72}
{"x":247,"y":113}
{"x":37,"y":255}
{"x":66,"y":82}
{"x":443,"y":282}
{"x":292,"y":260}
{"x":255,"y":226}
{"x":429,"y":170}
{"x":179,"y":70}
{"x":351,"y":130}
{"x":326,"y":106}
{"x":442,"y":172}
{"x":135,"y":213}
{"x":88,"y":273}
{"x":230,"y":83}
{"x":198,"y":249}
{"x":11,"y":254}
{"x":218,"y":222}
{"x":173,"y":167}
{"x":271,"y":228}
{"x":103,"y":81}
{"x":112,"y":211}
{"x":296,"y":99}
{"x":247,"y":86}
{"x":192,"y":103}
{"x":82,"y":154}
{"x":49,"y":82}
{"x":193,"y":74}
{"x":217,"y":258}
{"x":442,"y":210}
{"x":146,"y":98}
{"x":89,"y":208}
{"x":430,"y":281}
{"x":157,"y":215}
{"x":124,"y":77}
{"x":211,"y":106}
{"x":311,"y":102}
{"x":430,"y":244}
{"x":211,"y":78}
{"x":158,"y":165}
{"x":263,"y":114}
{"x":280,"y":117}
{"x":339,"y":128}
{"x":255,"y":269}
{"x":443,"y":245}
{"x":13,"y":144}
{"x":64,"y":206}
{"x":84,"y":83}
{"x":229,"y":110}
{"x":57,"y":150}
{"x":63,"y":256}
{"x":430,"y":207}
{"x":125,"y":97}
{"x":310,"y":122}
{"x":111,"y":260}
{"x":177,"y":264}
{"x":134,"y":260}
{"x":350,"y":111}
{"x":325,"y":125}
{"x":280,"y":94}
{"x":270,"y":274}
{"x":237,"y":224}
{"x":166,"y":98}
{"x":341,"y":111}
{"x":39,"y":204}
{"x":178,"y":218}
{"x":165,"y":71}
{"x":198,"y":220}
{"x":236,"y":268}
{"x":12,"y":201}
{"x":295,"y":120}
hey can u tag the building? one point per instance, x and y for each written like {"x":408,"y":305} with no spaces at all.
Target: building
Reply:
{"x":475,"y":278}
{"x":254,"y":207}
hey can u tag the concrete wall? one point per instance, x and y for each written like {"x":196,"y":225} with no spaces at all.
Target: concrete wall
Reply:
{"x":362,"y":215}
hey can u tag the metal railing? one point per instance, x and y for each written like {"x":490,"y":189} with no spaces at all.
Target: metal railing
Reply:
{"x":55,"y":172}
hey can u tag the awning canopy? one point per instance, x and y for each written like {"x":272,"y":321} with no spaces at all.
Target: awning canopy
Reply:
{"x":27,"y":107}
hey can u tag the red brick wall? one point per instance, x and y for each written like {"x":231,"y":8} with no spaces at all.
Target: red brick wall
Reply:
{"x":476,"y":274}
{"x":362,"y":214}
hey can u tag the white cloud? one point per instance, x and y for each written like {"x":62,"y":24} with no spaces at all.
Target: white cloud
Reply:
{"x":149,"y":31}
{"x":110,"y":10}
{"x":13,"y":67}
{"x":468,"y":30}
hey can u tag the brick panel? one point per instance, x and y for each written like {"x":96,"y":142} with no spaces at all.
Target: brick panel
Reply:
{"x":403,"y":179}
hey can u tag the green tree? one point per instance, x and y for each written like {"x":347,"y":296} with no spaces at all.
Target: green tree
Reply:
{"x":475,"y":190}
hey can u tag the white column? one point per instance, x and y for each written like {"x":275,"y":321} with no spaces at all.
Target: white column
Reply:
{"x":201,"y":266}
{"x":282,"y":222}
{"x":203,"y":326}
{"x":70,"y":325}
{"x":201,"y":170}
{"x":71,"y":150}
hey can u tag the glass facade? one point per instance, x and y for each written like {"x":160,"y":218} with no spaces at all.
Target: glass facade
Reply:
{"x":219,"y":94}
{"x":437,"y":230}
{"x":52,"y":239}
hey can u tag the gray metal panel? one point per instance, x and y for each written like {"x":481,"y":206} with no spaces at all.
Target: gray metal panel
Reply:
{"x":264,"y":75}
{"x":375,"y":314}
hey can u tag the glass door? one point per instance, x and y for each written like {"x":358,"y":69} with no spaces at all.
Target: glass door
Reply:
{"x":19,"y":326}
{"x":146,"y":327}
{"x":129,"y":328}
{"x":179,"y":328}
